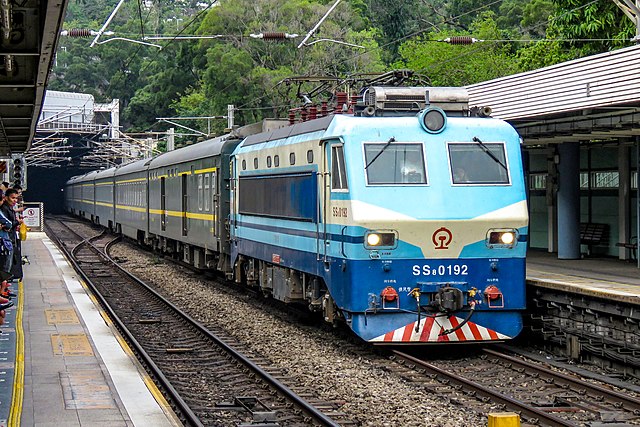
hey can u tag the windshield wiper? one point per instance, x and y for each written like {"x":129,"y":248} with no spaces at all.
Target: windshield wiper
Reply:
{"x":392,"y":139}
{"x":489,"y":153}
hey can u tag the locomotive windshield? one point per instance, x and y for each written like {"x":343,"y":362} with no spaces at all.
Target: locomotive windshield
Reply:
{"x":397,"y":164}
{"x":478,"y":164}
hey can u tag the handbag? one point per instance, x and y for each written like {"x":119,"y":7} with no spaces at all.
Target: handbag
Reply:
{"x":5,"y":246}
{"x":22,"y":231}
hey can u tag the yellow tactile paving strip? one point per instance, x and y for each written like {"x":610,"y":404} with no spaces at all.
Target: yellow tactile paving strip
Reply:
{"x":62,"y":317}
{"x":71,"y":345}
{"x":86,"y":389}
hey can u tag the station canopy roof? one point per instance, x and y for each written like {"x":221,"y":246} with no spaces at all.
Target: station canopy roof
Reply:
{"x":27,"y":48}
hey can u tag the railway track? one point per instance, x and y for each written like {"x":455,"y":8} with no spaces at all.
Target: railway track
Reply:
{"x":539,"y":394}
{"x":205,"y":376}
{"x":489,"y":383}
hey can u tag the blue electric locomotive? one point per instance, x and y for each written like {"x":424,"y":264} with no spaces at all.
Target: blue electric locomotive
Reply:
{"x":409,"y":226}
{"x":405,"y":218}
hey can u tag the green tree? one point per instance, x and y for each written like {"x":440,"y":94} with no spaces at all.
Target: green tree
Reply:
{"x":592,"y":28}
{"x":250,"y":73}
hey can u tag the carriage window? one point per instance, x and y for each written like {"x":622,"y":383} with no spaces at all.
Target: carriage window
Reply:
{"x":292,"y":159}
{"x":276,"y":160}
{"x":310,"y":156}
{"x":200,"y":192}
{"x":394,"y":164}
{"x":478,"y":163}
{"x":255,"y":163}
{"x":244,"y":165}
{"x":338,"y":170}
{"x":268,"y":161}
{"x":207,"y":194}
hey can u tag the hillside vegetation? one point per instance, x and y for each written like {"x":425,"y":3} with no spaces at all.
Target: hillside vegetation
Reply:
{"x":200,"y":77}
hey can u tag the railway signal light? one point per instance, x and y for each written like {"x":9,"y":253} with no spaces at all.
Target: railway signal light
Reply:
{"x":18,"y":171}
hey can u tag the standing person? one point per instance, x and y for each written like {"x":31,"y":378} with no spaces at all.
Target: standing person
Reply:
{"x":10,"y":200}
{"x":19,"y":207}
{"x":6,"y":254}
{"x":3,"y":301}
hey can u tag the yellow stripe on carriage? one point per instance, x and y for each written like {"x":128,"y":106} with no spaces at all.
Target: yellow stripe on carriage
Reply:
{"x":199,"y":171}
{"x":131,"y":208}
{"x":179,"y":214}
{"x":131,"y":180}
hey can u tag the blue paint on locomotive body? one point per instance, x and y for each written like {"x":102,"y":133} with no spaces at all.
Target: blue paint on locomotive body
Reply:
{"x":332,"y":246}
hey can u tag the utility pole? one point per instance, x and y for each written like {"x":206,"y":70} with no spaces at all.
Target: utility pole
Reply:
{"x":230,"y":110}
{"x":171,"y":139}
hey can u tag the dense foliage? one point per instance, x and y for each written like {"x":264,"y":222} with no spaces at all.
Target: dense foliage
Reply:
{"x":201,"y":77}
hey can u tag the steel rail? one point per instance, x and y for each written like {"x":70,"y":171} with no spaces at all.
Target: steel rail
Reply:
{"x":307,"y":408}
{"x":514,"y":404}
{"x":613,"y":396}
{"x":189,"y":417}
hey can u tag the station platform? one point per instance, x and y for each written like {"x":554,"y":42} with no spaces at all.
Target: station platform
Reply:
{"x":61,"y":361}
{"x":608,"y":278}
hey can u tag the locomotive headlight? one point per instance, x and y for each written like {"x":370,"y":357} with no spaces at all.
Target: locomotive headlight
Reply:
{"x":433,"y":120}
{"x":380,"y":239}
{"x":374,"y":239}
{"x":502,"y":238}
{"x":507,"y":238}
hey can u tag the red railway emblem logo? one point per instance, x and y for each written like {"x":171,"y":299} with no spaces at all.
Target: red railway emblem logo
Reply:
{"x":441,"y":238}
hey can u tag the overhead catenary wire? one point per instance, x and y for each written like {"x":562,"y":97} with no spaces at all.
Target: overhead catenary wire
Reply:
{"x":466,"y":53}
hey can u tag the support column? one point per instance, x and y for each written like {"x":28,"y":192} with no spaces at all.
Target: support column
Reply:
{"x":637,"y":207}
{"x":551,"y":202}
{"x":569,"y":201}
{"x":624,"y":200}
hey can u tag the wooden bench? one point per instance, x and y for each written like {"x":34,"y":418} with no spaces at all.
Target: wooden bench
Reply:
{"x":593,"y":234}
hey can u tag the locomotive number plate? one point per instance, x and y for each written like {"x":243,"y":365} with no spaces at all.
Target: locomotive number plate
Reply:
{"x":440,"y":270}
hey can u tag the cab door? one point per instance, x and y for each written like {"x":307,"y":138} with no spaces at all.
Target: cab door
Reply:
{"x":334,"y":188}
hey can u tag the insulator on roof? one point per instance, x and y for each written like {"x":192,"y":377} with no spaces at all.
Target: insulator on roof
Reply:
{"x":461,"y":40}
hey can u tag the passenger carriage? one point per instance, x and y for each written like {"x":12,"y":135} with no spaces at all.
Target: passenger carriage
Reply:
{"x":189,"y":202}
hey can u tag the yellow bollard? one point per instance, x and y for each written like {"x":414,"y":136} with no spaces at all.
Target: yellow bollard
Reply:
{"x":504,"y":419}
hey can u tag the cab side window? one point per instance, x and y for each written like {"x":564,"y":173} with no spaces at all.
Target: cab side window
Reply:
{"x":338,"y":169}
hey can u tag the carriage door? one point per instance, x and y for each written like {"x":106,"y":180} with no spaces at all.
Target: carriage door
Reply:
{"x":163,"y":204}
{"x":184,"y":203}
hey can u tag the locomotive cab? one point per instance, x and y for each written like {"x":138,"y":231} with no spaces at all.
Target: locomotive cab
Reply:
{"x":436,"y":200}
